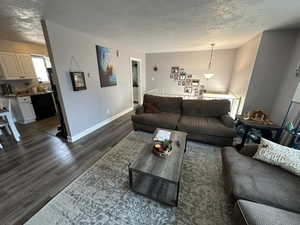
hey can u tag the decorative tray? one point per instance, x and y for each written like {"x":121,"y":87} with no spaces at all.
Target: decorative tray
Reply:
{"x":162,"y":149}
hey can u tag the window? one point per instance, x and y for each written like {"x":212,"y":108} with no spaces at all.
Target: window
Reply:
{"x":40,"y":68}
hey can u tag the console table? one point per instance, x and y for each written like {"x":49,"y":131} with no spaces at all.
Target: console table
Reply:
{"x":248,"y":124}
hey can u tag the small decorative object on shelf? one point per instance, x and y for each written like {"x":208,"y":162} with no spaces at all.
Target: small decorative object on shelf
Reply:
{"x":258,"y":116}
{"x":290,"y":127}
{"x":162,"y":149}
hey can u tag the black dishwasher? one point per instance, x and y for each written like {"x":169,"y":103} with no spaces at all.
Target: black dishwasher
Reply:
{"x":43,"y":106}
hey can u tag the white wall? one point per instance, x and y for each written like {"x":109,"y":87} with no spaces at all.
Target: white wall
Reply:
{"x":288,"y":85}
{"x":85,"y":110}
{"x":195,"y":63}
{"x":243,"y":68}
{"x":269,"y":70}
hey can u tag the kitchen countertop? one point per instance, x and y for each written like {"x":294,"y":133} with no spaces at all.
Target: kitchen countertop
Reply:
{"x":28,"y":94}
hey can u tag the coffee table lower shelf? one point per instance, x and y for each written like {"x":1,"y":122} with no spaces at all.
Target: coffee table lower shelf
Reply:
{"x":153,"y":187}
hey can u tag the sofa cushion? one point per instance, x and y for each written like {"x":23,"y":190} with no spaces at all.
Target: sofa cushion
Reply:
{"x":165,"y":104}
{"x":151,"y":108}
{"x":205,"y":108}
{"x":205,"y":125}
{"x":250,"y":213}
{"x":250,"y":179}
{"x":162,"y":120}
{"x":209,"y":139}
{"x":279,"y":155}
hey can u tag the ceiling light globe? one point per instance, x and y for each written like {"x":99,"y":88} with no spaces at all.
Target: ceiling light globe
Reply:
{"x":208,"y":75}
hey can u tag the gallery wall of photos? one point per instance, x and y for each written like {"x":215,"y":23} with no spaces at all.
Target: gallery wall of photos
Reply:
{"x":191,"y":86}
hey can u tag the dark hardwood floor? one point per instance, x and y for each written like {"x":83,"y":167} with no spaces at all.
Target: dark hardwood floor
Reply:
{"x":34,"y":170}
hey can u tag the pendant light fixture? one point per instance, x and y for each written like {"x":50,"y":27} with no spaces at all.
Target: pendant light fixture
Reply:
{"x":209,"y":73}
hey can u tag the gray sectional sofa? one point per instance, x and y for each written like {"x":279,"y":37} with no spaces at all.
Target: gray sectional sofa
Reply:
{"x":264,"y":194}
{"x":204,"y":120}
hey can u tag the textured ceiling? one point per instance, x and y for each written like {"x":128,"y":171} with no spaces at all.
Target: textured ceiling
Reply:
{"x":152,"y":25}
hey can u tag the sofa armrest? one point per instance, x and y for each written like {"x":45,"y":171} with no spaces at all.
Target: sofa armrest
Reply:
{"x":249,"y":150}
{"x":227,"y":121}
{"x":139,"y":109}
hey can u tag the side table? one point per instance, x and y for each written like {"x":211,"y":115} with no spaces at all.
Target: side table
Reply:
{"x":248,"y":124}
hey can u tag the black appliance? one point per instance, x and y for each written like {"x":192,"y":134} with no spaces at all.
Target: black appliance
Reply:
{"x":43,"y":106}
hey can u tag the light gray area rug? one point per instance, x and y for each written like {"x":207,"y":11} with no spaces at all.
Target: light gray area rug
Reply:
{"x":101,"y":195}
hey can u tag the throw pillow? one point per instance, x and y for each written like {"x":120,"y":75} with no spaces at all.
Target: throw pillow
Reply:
{"x":151,"y":108}
{"x":278,"y":155}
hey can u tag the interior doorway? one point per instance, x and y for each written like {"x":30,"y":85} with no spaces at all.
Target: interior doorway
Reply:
{"x":136,"y":80}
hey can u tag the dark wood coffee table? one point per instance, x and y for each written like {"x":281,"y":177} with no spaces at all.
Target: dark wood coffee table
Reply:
{"x":156,"y":177}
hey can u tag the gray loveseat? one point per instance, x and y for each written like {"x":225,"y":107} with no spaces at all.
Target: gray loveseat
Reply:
{"x":204,"y":120}
{"x":264,"y":194}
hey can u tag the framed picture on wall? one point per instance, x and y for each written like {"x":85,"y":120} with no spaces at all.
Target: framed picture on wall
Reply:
{"x":78,"y":81}
{"x":183,"y":76}
{"x":106,"y":66}
{"x":187,"y":90}
{"x":188,"y":82}
{"x":176,"y":76}
{"x":195,"y":83}
{"x":174,"y":69}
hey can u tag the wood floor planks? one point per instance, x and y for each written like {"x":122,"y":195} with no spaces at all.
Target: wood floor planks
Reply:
{"x":33,"y":171}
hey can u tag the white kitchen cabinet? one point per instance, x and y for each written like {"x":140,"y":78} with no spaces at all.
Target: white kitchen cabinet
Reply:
{"x":9,"y":65}
{"x":16,"y":66}
{"x":23,"y":110}
{"x":26,"y":64}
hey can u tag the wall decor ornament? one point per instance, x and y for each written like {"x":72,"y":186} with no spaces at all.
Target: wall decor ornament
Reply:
{"x":174,"y":72}
{"x":78,"y":81}
{"x":106,"y":66}
{"x":176,"y":77}
{"x":175,"y":69}
{"x":187,"y":90}
{"x":77,"y":76}
{"x":182,"y":76}
{"x":195,"y":83}
{"x":188,"y":82}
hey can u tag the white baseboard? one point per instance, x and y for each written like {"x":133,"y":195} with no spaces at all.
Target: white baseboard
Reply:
{"x":97,"y":126}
